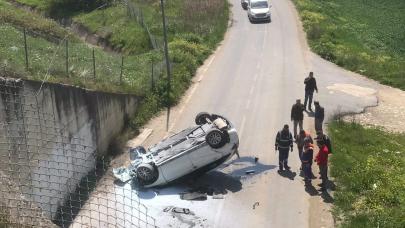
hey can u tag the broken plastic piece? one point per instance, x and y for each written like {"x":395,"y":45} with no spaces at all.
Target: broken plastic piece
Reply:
{"x":181,"y":210}
{"x":193,"y":196}
{"x":218,"y":197}
{"x":251,"y":171}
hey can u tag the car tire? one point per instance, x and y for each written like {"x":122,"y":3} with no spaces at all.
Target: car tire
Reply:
{"x":215,"y":138}
{"x":202,"y":117}
{"x":146,"y":174}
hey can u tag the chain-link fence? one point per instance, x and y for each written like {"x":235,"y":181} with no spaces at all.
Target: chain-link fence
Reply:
{"x":136,"y":13}
{"x":48,"y":174}
{"x":70,"y":61}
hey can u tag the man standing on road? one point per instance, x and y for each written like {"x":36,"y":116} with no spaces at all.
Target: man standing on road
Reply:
{"x":319,"y":116}
{"x":302,"y":136}
{"x":297,"y":116}
{"x":307,"y":157}
{"x":284,"y":142}
{"x":310,"y":87}
{"x":322,"y":161}
{"x":320,"y":136}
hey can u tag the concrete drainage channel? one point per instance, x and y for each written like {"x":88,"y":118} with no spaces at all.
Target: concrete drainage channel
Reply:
{"x":52,"y":140}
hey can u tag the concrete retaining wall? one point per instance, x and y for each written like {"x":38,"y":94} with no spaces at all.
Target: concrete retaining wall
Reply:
{"x":50,"y":135}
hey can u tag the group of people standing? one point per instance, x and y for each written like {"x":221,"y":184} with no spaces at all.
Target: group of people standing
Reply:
{"x":305,"y":143}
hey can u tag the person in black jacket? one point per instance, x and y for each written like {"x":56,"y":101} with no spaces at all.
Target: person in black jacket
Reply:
{"x":310,"y":87}
{"x":297,"y":116}
{"x":284,"y":143}
{"x":321,"y":136}
{"x":319,"y":116}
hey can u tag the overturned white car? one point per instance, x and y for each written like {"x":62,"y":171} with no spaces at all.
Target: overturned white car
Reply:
{"x":194,"y":150}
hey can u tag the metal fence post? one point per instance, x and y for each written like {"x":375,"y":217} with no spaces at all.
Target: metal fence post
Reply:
{"x":26,"y":49}
{"x":67,"y":57}
{"x":152,"y":79}
{"x":94,"y":65}
{"x":122,"y":68}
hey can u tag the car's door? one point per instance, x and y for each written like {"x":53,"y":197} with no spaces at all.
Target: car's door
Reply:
{"x":177,"y":166}
{"x":204,"y":155}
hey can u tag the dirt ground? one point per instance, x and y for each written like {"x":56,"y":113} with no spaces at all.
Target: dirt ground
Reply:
{"x":389,"y":114}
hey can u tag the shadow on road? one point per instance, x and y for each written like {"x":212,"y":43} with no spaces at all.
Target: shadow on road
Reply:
{"x":260,"y":22}
{"x":310,"y":113}
{"x":226,"y":180}
{"x":311,"y":190}
{"x":215,"y":180}
{"x":246,"y":164}
{"x":327,"y":198}
{"x":287,"y":174}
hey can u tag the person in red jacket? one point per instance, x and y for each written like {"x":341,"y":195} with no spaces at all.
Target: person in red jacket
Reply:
{"x":322,"y":161}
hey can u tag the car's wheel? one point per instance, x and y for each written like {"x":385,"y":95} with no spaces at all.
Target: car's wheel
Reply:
{"x":215,"y":138}
{"x":146,"y":174}
{"x":202,"y":117}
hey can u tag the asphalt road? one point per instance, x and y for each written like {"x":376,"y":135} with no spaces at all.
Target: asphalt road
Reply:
{"x":253,"y":79}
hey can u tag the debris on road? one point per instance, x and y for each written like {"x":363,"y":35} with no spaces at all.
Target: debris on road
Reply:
{"x":250,"y":171}
{"x":255,"y":205}
{"x":219,"y":196}
{"x":179,"y":210}
{"x":201,"y":193}
{"x":193,"y":196}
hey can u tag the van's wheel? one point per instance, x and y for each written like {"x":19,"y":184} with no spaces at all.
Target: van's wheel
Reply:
{"x":146,"y":174}
{"x":202,"y":117}
{"x":215,"y":138}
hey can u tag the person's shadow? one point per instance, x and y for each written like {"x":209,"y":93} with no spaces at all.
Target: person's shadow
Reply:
{"x":287,"y":174}
{"x":327,"y":198}
{"x":311,"y":190}
{"x":310,"y":113}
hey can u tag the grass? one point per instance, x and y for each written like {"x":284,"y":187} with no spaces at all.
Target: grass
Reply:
{"x":113,"y":24}
{"x":47,"y":62}
{"x":369,"y":167}
{"x":12,"y":15}
{"x":192,"y":37}
{"x":37,"y":4}
{"x":367,"y":37}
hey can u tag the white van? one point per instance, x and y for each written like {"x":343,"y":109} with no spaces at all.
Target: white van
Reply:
{"x":259,"y":10}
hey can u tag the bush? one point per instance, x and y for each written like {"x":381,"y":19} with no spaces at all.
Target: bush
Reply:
{"x":61,"y":8}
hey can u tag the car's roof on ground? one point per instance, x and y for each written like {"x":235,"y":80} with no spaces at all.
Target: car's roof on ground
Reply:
{"x":180,"y":142}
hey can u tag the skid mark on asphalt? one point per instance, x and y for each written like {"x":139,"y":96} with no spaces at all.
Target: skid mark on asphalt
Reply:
{"x":242,"y":126}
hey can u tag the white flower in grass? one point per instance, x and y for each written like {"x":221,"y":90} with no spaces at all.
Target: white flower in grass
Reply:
{"x":386,"y":150}
{"x":84,"y":73}
{"x":14,"y":48}
{"x":374,"y":186}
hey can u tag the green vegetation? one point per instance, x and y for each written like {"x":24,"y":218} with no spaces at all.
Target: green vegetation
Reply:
{"x":367,"y":37}
{"x":369,"y":168}
{"x":37,"y":23}
{"x":47,"y":62}
{"x":113,"y":24}
{"x":194,"y":30}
